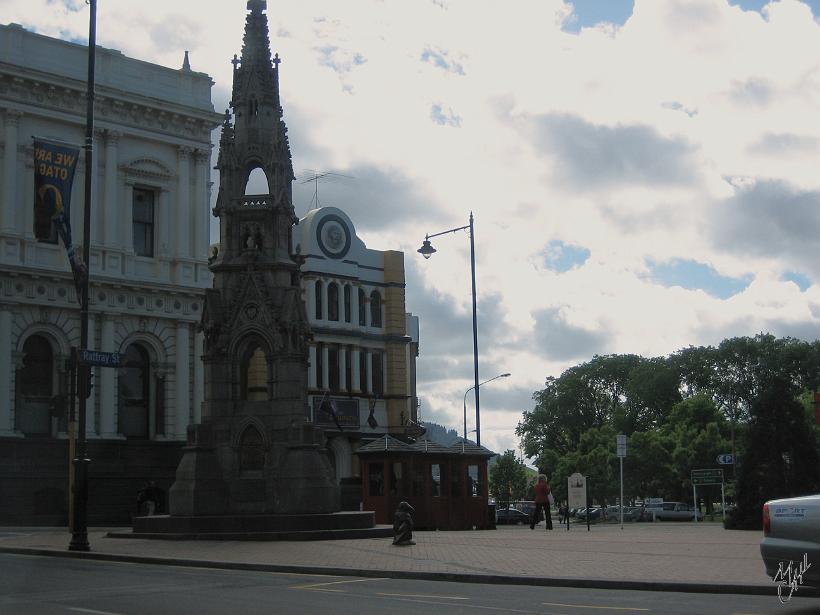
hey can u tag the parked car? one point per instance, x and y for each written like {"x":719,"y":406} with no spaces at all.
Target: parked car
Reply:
{"x":511,"y":516}
{"x":631,"y":513}
{"x":594,"y":513}
{"x":791,"y":533}
{"x":674,"y":511}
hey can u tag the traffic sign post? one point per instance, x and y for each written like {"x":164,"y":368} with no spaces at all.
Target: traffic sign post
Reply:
{"x":620,"y":444}
{"x":709,"y":477}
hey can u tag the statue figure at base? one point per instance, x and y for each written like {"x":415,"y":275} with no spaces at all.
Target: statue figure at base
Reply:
{"x":403,"y":525}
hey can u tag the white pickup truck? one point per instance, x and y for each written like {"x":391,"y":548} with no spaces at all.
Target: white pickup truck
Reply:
{"x":673,"y":511}
{"x":791,"y":540}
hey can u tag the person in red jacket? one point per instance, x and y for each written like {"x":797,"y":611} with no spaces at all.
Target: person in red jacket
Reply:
{"x":542,"y":502}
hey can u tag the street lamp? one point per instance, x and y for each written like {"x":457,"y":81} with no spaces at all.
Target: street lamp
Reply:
{"x":465,"y":407}
{"x":427,"y":250}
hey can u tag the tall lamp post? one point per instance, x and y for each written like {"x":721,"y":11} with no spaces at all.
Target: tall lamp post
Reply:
{"x":465,"y":404}
{"x":427,"y":250}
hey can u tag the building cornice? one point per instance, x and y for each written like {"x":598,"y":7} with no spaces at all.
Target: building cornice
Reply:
{"x":37,"y":93}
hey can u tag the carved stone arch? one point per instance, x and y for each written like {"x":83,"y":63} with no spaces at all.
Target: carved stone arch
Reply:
{"x":56,"y":336}
{"x":252,"y":373}
{"x":157,"y":350}
{"x":250,"y":166}
{"x":251,"y":445}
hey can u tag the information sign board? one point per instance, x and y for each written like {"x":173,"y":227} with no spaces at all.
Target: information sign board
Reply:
{"x":707,"y":477}
{"x":577,"y":490}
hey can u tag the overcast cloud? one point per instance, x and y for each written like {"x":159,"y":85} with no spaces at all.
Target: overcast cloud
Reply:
{"x":643,"y":178}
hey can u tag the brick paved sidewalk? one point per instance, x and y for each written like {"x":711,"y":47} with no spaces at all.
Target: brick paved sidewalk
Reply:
{"x":659,"y":552}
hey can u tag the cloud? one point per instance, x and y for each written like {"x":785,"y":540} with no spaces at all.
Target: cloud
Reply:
{"x":442,"y":118}
{"x":177,"y":33}
{"x":756,"y":91}
{"x":803,"y":282}
{"x":589,"y":156}
{"x":676,"y":106}
{"x":562,"y":257}
{"x":770,"y":219}
{"x":559,"y":340}
{"x":339,"y":60}
{"x":373,"y":197}
{"x":692,"y":275}
{"x":784,"y":144}
{"x":441,"y":59}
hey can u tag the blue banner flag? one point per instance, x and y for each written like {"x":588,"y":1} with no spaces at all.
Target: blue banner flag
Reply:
{"x":54,"y":167}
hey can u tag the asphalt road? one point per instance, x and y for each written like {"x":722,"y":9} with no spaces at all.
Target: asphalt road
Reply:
{"x":32,"y":585}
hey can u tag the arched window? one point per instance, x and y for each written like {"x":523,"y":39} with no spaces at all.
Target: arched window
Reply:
{"x":135,"y":393}
{"x":257,"y":182}
{"x":251,"y":451}
{"x":347,"y":302}
{"x":333,"y":301}
{"x":35,"y":387}
{"x":255,"y":378}
{"x":375,"y":309}
{"x":318,"y":295}
{"x":362,"y":308}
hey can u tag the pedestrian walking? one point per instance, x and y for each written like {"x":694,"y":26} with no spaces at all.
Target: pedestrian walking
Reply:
{"x":543,"y":500}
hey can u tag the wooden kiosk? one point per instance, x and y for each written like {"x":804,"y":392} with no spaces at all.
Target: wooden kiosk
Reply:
{"x":446,"y":485}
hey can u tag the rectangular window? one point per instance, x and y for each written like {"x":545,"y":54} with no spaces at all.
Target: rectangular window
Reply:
{"x":320,"y":379}
{"x":348,"y":369}
{"x":375,"y":477}
{"x":347,"y":302}
{"x":333,"y":367}
{"x":435,"y":480}
{"x":143,"y":221}
{"x":378,"y":372}
{"x":395,"y":478}
{"x":473,"y":484}
{"x":363,"y":370}
{"x":418,"y":481}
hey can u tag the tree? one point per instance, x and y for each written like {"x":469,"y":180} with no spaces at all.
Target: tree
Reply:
{"x":508,"y":479}
{"x":781,"y":454}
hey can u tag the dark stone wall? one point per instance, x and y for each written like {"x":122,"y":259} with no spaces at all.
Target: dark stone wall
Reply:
{"x":34,"y":479}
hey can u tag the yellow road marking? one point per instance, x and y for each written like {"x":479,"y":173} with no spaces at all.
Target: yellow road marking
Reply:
{"x":316,"y":585}
{"x":423,"y":596}
{"x":586,"y":606}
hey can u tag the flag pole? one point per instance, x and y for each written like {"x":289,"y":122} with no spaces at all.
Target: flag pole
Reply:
{"x":79,"y":530}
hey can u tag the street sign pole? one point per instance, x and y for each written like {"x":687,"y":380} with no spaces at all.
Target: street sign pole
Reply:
{"x":620,"y":444}
{"x":621,"y":459}
{"x":722,"y":501}
{"x":695,"y":496}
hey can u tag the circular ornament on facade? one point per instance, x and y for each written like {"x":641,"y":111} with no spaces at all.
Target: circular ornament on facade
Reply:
{"x":333,"y":236}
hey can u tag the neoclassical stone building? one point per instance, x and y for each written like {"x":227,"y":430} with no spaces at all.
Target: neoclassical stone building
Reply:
{"x":364,"y":347}
{"x":148,"y":271}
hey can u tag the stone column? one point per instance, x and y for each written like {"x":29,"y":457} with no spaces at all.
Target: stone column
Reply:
{"x":354,"y":305}
{"x":325,"y":367}
{"x":127,"y":232}
{"x":183,"y":361}
{"x":183,"y":224}
{"x":324,"y":300}
{"x":162,"y":217}
{"x":108,"y":397}
{"x":199,"y":376}
{"x":6,"y":373}
{"x":8,"y":221}
{"x":111,"y":204}
{"x":356,"y":384}
{"x":369,"y":366}
{"x":342,"y":367}
{"x":311,"y":300}
{"x":312,"y":368}
{"x":201,"y":222}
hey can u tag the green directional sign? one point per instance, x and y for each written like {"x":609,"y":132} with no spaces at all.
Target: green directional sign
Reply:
{"x":707,"y":477}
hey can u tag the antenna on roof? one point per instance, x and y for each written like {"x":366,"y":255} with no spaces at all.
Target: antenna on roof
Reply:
{"x":309,"y":175}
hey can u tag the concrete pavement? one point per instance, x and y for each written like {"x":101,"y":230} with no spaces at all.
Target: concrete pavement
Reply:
{"x":649,"y":556}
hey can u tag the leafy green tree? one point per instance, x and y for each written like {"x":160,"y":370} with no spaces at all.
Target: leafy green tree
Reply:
{"x":648,"y":467}
{"x":508,"y":479}
{"x":781,"y":457}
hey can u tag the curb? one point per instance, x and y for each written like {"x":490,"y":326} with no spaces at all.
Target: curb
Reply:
{"x":453,"y":577}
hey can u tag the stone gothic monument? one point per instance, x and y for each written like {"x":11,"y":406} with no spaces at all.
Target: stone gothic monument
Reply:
{"x":255,"y":452}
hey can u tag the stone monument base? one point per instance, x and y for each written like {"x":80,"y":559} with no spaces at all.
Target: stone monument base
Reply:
{"x":329,"y":526}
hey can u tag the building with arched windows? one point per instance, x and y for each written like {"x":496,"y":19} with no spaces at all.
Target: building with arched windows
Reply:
{"x":364,"y":347}
{"x":148,"y":272}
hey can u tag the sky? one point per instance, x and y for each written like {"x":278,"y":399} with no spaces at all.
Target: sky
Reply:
{"x":643,"y":175}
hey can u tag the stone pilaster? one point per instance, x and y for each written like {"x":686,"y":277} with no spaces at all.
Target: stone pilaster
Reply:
{"x":182,"y":237}
{"x":356,"y":385}
{"x":312,"y":368}
{"x":183,"y":380}
{"x":108,"y":397}
{"x":111,"y":203}
{"x":8,"y":219}
{"x":6,"y":372}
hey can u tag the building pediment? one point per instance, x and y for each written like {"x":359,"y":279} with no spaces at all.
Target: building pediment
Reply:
{"x":147,"y":168}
